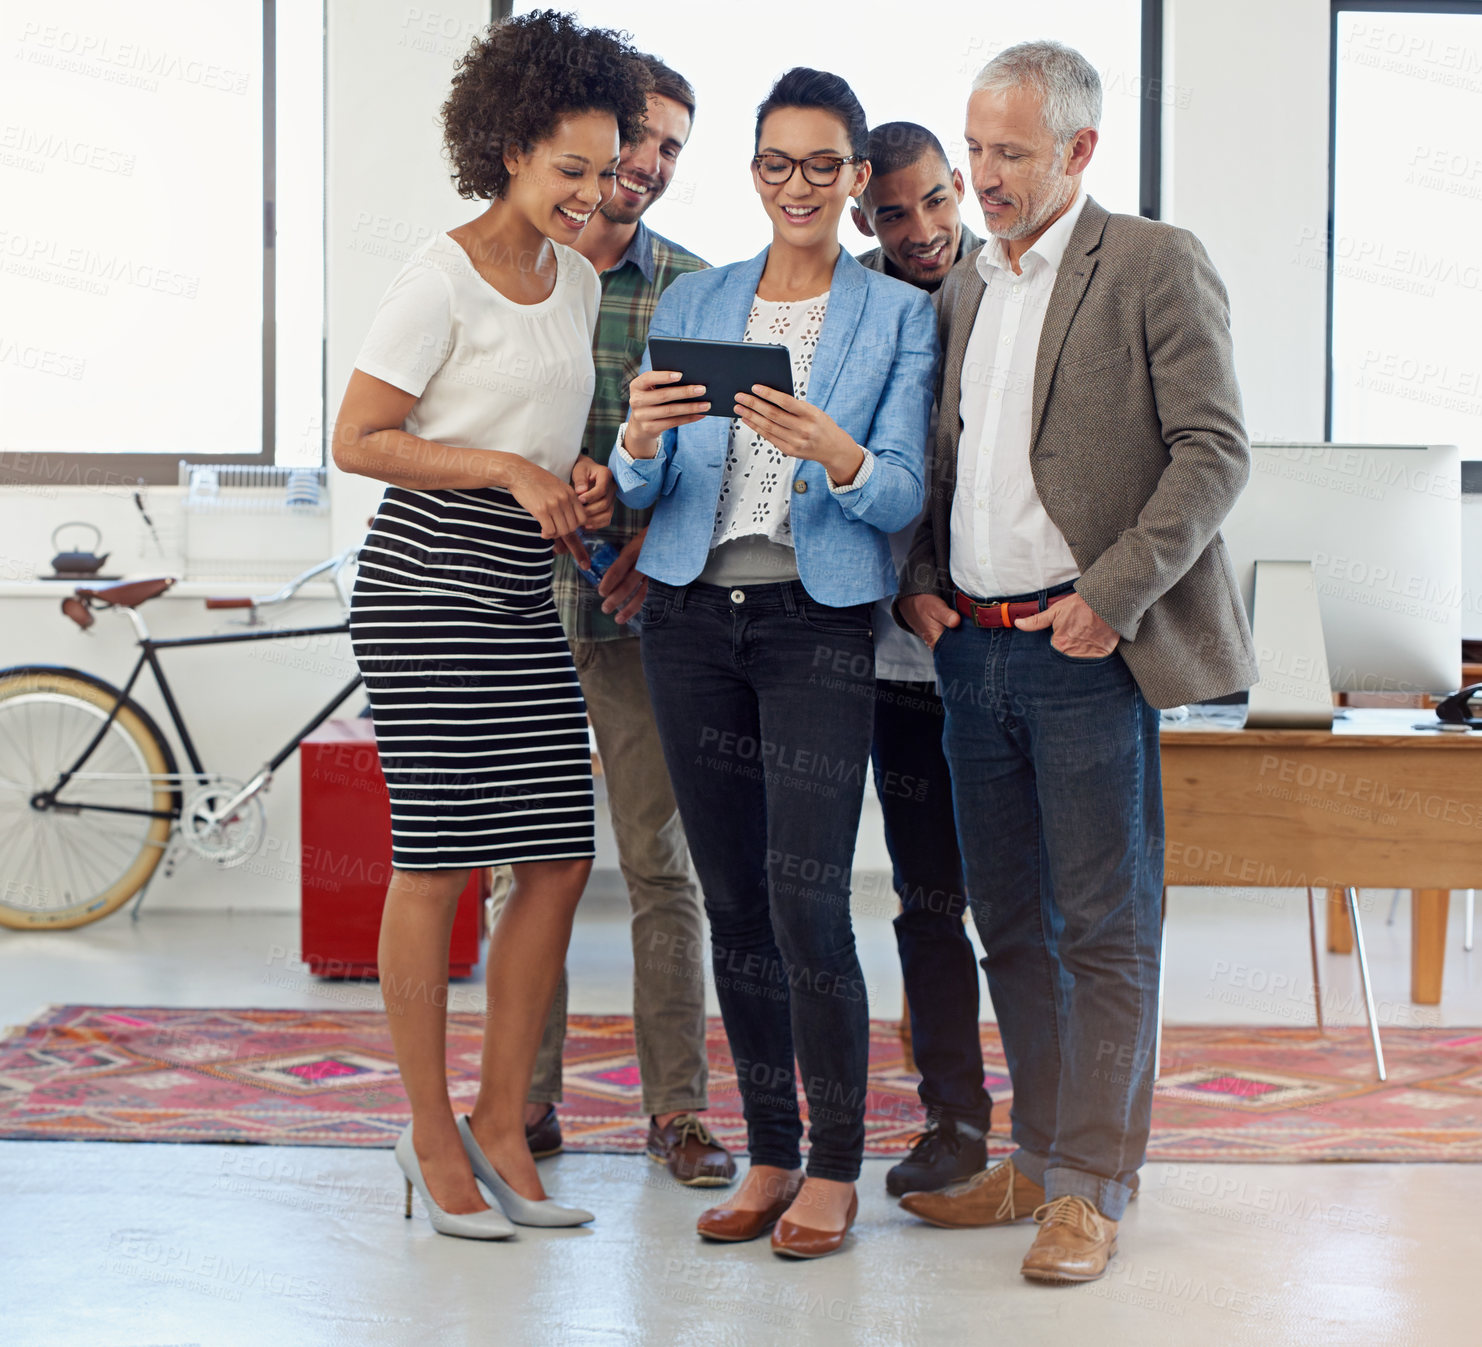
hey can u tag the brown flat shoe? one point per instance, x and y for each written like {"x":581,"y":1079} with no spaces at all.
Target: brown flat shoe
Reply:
{"x":692,"y":1156}
{"x":1074,"y":1244}
{"x":997,"y":1196}
{"x":736,"y":1227}
{"x":801,"y":1241}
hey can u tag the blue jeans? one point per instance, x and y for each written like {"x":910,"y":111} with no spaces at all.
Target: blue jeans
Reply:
{"x":938,"y":966}
{"x":764,"y":700}
{"x":1059,"y":805}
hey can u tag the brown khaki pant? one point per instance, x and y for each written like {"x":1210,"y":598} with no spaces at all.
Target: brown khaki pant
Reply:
{"x":669,"y":945}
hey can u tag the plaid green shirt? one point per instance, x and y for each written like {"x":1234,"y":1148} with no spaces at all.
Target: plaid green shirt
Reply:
{"x":629,"y":292}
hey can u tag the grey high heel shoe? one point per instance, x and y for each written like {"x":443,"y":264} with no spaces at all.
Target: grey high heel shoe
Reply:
{"x":487,"y":1224}
{"x":521,"y":1210}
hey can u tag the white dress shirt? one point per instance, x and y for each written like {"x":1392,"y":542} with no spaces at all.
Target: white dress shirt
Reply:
{"x":1002,"y":541}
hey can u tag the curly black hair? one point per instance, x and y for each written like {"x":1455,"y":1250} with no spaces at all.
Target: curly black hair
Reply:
{"x":521,"y":77}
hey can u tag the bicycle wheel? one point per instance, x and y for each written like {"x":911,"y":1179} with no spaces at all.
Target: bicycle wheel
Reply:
{"x":66,"y":866}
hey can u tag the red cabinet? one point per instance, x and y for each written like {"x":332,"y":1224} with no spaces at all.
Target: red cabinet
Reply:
{"x":346,"y":857}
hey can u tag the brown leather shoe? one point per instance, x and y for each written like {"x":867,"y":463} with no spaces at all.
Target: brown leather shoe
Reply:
{"x":1074,"y":1244}
{"x":997,"y":1196}
{"x":736,"y":1227}
{"x":692,"y":1156}
{"x":801,"y":1241}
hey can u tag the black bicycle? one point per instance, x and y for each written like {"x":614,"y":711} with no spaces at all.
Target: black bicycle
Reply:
{"x":91,"y":797}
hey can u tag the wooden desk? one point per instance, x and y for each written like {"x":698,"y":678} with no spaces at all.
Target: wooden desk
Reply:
{"x":1374,"y":804}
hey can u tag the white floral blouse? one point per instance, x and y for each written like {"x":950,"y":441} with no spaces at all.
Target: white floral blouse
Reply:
{"x":756,"y":485}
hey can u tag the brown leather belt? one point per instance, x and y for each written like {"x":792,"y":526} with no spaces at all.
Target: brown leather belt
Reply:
{"x":1005,"y":612}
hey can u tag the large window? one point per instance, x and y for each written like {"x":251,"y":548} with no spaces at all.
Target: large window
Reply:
{"x":1405,"y":275}
{"x":161,"y":238}
{"x":904,"y":66}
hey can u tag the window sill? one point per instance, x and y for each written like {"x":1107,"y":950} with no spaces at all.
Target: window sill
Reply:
{"x":183,"y":589}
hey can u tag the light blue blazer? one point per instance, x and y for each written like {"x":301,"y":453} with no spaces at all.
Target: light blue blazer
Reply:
{"x":874,"y":373}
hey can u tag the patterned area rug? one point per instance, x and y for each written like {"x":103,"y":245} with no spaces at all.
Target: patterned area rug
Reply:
{"x":315,"y":1078}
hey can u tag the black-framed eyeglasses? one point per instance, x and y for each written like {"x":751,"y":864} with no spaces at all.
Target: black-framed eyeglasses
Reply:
{"x":822,"y":170}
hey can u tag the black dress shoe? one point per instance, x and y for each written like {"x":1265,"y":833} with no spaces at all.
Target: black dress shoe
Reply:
{"x":544,"y":1137}
{"x":943,"y":1154}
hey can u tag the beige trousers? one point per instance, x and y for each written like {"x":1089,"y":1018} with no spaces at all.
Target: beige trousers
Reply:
{"x":669,"y":945}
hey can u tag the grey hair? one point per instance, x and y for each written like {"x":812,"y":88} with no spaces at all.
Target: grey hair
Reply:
{"x":1067,"y":83}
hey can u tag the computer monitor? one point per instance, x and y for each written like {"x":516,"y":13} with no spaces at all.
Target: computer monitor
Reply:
{"x":1381,"y":525}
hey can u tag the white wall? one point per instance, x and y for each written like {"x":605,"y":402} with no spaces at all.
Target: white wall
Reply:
{"x":388,"y":66}
{"x":240,"y":703}
{"x":1245,"y":160}
{"x":1246,"y":169}
{"x":387,"y":189}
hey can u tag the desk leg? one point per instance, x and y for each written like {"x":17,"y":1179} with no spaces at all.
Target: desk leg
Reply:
{"x":1340,"y":929}
{"x":1428,"y":910}
{"x":1363,"y":963}
{"x":1316,"y":965}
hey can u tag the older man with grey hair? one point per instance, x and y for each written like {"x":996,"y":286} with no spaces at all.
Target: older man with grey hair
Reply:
{"x":1070,"y":578}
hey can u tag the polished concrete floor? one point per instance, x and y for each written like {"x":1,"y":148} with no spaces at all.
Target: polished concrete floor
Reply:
{"x":125,"y":1245}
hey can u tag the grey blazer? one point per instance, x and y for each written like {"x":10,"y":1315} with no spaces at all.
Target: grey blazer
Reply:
{"x":1137,"y":448}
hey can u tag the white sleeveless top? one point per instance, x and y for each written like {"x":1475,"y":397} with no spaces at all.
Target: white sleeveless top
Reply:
{"x":489,"y":373}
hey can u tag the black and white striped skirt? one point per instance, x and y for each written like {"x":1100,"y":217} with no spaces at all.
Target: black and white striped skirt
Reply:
{"x":480,"y":722}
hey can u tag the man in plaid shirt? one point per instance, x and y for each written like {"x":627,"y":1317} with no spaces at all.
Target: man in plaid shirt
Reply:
{"x":636,"y":266}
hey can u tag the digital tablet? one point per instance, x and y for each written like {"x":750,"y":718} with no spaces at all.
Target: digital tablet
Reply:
{"x":724,"y":367}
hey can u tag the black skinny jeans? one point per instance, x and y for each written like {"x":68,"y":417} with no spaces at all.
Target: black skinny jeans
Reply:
{"x":765,"y":704}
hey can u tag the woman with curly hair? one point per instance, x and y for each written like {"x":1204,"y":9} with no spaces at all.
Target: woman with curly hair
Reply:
{"x":468,"y":399}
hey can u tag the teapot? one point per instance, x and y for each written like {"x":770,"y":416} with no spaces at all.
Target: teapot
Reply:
{"x":78,"y":564}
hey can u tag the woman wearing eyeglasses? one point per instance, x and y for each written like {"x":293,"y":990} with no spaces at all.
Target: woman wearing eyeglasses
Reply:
{"x":769,"y":543}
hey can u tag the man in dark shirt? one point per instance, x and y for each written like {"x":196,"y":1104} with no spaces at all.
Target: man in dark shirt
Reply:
{"x":911,"y":206}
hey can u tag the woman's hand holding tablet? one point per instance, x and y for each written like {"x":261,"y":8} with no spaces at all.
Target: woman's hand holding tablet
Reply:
{"x":656,"y":403}
{"x":800,"y":430}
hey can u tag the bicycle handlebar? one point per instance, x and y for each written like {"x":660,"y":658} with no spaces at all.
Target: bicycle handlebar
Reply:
{"x":335,"y":566}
